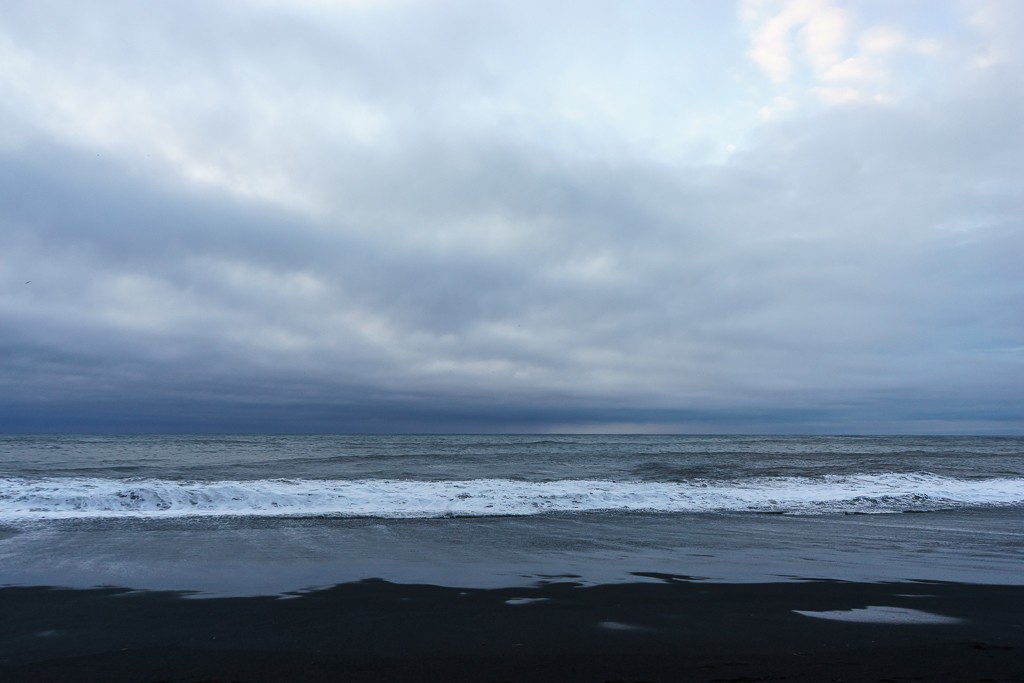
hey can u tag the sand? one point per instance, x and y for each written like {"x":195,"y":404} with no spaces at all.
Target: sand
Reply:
{"x":661,"y":628}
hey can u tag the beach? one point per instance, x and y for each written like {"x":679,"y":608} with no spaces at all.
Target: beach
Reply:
{"x":660,"y":628}
{"x":511,"y":558}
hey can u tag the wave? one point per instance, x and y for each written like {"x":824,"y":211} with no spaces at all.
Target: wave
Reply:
{"x":83,"y":497}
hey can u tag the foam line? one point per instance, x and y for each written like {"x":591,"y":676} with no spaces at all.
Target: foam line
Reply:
{"x":56,"y":498}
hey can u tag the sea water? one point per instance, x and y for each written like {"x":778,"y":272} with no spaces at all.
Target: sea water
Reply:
{"x":272,"y":514}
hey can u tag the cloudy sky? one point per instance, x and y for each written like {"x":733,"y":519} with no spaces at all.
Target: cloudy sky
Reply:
{"x":480,"y":215}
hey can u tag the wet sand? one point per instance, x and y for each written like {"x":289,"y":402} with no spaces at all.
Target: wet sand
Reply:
{"x":661,"y":628}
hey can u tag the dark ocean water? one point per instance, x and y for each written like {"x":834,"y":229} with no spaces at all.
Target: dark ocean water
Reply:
{"x":252,"y":514}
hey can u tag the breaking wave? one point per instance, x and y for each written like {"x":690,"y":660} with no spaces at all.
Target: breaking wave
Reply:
{"x":84,"y":497}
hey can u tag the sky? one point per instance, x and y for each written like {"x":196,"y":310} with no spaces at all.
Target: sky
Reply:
{"x":680,"y":216}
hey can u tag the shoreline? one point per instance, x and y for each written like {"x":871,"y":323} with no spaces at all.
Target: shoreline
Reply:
{"x":249,"y":557}
{"x":669,"y":629}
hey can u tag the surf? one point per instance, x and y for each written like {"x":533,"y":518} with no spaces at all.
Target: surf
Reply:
{"x":89,"y":497}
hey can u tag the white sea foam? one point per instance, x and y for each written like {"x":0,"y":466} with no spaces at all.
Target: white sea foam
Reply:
{"x":80,"y":497}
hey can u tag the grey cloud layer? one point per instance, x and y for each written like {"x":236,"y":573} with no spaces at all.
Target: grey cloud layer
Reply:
{"x":235,"y":219}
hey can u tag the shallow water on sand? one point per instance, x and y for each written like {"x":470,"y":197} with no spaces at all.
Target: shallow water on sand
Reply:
{"x":237,"y":557}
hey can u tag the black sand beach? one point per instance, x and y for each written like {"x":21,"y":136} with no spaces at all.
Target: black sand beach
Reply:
{"x":660,"y":628}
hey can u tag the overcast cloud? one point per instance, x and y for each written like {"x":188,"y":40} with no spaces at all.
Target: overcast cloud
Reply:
{"x":393,"y":215}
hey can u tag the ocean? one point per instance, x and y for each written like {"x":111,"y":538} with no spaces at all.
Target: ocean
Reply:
{"x":278,"y":515}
